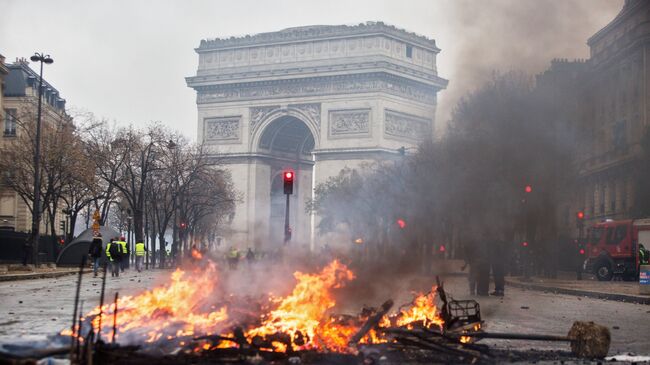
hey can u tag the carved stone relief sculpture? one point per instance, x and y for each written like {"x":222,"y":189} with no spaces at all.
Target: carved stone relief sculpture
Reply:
{"x":349,"y":122}
{"x":258,"y":113}
{"x":312,"y":110}
{"x":405,"y":125}
{"x":222,"y":129}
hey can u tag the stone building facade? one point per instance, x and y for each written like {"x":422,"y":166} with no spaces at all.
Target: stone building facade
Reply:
{"x":608,"y":100}
{"x":617,"y":92}
{"x":3,"y":73}
{"x":20,"y":98}
{"x":313,"y":99}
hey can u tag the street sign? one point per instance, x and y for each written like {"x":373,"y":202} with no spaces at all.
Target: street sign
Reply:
{"x":644,"y":279}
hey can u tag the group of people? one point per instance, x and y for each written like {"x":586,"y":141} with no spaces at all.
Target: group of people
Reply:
{"x":117,"y":254}
{"x":233,"y":255}
{"x":480,"y":263}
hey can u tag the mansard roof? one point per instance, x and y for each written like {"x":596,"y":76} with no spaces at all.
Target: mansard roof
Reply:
{"x":314,"y":32}
{"x":21,"y":77}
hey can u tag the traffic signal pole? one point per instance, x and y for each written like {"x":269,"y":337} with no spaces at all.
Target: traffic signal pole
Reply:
{"x":580,"y":216}
{"x":287,"y":229}
{"x":287,"y":177}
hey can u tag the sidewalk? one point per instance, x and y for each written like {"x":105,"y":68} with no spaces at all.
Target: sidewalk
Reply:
{"x":566,"y":283}
{"x":18,"y":272}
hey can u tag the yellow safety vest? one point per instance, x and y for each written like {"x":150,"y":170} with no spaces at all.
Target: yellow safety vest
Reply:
{"x":125,"y":249}
{"x":108,"y":254}
{"x":139,"y":249}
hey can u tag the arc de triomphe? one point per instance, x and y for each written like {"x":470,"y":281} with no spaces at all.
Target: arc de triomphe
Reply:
{"x":315,"y":99}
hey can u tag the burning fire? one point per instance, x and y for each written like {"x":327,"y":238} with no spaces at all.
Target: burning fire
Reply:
{"x":180,"y":309}
{"x":303,"y":312}
{"x":185,"y":308}
{"x":196,"y":254}
{"x":422,"y":311}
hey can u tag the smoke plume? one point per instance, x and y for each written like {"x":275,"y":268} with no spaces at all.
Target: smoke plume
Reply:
{"x":504,"y":35}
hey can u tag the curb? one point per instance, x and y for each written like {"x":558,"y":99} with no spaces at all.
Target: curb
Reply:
{"x":585,"y":293}
{"x":44,"y":275}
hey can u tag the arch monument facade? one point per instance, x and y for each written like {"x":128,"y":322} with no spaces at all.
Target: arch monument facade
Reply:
{"x":314,"y":99}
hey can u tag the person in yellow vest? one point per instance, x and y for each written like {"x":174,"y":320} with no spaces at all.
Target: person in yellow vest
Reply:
{"x":114,"y":255}
{"x":140,"y":251}
{"x":125,"y":253}
{"x":233,"y":258}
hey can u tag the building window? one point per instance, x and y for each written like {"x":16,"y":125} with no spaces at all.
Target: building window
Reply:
{"x":409,"y":51}
{"x":592,"y":202}
{"x":619,"y":134}
{"x":624,"y":196}
{"x":612,"y":198}
{"x":10,"y":122}
{"x":601,"y":202}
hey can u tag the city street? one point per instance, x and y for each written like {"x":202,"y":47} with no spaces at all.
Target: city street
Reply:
{"x":33,"y":309}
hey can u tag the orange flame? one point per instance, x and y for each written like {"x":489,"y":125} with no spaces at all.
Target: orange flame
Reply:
{"x":178,"y":309}
{"x":184,"y":308}
{"x":305,"y":308}
{"x":196,"y":254}
{"x":423,"y":311}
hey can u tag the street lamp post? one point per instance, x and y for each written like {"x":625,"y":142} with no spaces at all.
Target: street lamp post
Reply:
{"x":171,"y":145}
{"x":36,"y":210}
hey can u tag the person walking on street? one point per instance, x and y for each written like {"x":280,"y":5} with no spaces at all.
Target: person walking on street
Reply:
{"x":470,"y":262}
{"x":498,"y":259}
{"x":233,"y":258}
{"x":140,"y":251}
{"x":124,"y":258}
{"x":250,"y":256}
{"x":95,"y":252}
{"x":114,"y":255}
{"x":27,"y":250}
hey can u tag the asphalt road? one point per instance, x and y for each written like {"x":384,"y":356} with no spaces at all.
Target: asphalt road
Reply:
{"x":33,"y":309}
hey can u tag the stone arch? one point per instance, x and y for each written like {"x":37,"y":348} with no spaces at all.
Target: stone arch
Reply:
{"x":278,"y":114}
{"x":284,"y":138}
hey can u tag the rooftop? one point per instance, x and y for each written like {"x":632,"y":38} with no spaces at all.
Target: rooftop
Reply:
{"x":21,"y":77}
{"x":312,"y":32}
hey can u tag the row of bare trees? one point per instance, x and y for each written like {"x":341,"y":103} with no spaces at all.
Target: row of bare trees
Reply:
{"x":151,"y":176}
{"x":466,"y":190}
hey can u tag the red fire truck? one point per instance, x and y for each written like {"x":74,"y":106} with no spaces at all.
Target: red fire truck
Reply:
{"x":613,"y":248}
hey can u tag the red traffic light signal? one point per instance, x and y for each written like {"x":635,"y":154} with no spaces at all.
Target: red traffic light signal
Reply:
{"x":401,"y":223}
{"x":287,"y":177}
{"x":183,"y":225}
{"x":524,"y":244}
{"x":528,"y":189}
{"x":582,"y":251}
{"x":580,"y":215}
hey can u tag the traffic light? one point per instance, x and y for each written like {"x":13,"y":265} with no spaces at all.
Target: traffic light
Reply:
{"x":288,"y":176}
{"x":580,"y":219}
{"x":528,"y":189}
{"x":62,"y":225}
{"x":183,"y":225}
{"x":401,"y":223}
{"x":524,"y":244}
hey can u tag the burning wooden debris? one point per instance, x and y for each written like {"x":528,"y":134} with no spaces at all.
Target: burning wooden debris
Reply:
{"x":183,"y":323}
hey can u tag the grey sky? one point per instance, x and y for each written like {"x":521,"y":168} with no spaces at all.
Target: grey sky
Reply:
{"x":126,"y":60}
